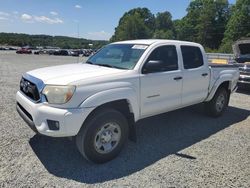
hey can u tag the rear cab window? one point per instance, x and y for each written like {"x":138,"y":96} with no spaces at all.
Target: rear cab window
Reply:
{"x":192,"y":57}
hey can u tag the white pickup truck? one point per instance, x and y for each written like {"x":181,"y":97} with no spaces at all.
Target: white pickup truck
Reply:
{"x":99,"y":102}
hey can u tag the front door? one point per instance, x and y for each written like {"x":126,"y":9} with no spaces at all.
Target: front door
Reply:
{"x":161,"y":88}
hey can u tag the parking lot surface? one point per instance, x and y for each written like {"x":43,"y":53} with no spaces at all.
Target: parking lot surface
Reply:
{"x":184,"y":148}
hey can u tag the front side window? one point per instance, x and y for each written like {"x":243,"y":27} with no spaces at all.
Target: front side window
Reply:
{"x":165,"y":57}
{"x":122,"y":56}
{"x":192,"y":57}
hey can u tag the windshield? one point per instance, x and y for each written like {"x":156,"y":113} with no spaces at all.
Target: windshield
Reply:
{"x":122,"y":56}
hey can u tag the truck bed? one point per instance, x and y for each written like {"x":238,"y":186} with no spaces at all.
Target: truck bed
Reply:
{"x":214,"y":65}
{"x":218,"y":71}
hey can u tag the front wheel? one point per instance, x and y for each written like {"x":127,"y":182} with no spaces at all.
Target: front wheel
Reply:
{"x":103,"y":135}
{"x":218,"y":103}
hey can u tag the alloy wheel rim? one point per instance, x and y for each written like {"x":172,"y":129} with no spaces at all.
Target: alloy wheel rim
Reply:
{"x":107,"y":138}
{"x":220,"y":102}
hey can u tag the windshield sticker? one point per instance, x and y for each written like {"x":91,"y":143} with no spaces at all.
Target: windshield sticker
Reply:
{"x":139,"y":47}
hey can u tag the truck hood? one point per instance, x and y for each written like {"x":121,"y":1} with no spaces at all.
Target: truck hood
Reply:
{"x":66,"y":74}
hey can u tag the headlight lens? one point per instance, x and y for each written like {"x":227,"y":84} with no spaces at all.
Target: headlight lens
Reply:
{"x":58,"y":94}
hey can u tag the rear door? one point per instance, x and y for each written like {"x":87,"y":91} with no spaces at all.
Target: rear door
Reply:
{"x":195,"y":75}
{"x":161,"y":90}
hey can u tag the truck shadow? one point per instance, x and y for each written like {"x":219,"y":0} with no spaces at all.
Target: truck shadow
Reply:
{"x":158,"y":137}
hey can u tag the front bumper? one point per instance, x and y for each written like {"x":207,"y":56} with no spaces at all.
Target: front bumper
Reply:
{"x":37,"y":114}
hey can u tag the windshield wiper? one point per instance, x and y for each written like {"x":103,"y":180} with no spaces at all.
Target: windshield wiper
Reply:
{"x":111,"y":66}
{"x":89,"y":62}
{"x":104,"y":65}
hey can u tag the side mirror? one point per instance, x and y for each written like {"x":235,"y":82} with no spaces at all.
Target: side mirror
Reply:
{"x":152,"y":66}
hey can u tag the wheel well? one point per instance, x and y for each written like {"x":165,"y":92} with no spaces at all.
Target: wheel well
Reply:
{"x":119,"y":105}
{"x":226,"y":86}
{"x":123,"y":107}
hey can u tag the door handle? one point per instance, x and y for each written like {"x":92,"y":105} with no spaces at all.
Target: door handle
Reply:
{"x":178,"y":78}
{"x":204,"y":74}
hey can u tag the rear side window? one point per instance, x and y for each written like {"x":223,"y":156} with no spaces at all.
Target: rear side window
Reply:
{"x":192,"y":57}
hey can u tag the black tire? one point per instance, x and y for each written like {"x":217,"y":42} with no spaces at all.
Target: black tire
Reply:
{"x":212,"y":108}
{"x":86,"y":138}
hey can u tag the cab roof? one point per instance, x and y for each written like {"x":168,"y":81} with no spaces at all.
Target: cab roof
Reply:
{"x":155,"y":41}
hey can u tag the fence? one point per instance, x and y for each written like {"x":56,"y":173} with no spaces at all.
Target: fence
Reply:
{"x":228,"y":57}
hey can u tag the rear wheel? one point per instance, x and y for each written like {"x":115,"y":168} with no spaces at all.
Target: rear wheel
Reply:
{"x":219,"y":103}
{"x":103,"y":135}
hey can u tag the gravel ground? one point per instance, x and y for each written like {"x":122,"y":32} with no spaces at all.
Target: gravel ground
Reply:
{"x":184,"y":148}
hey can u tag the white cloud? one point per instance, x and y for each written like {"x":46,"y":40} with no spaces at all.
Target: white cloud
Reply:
{"x":40,"y":19}
{"x":53,"y":13}
{"x":4,"y":14}
{"x":44,"y":19}
{"x":27,"y":18}
{"x":3,"y":18}
{"x":15,"y":12}
{"x":99,"y":35}
{"x":78,"y":6}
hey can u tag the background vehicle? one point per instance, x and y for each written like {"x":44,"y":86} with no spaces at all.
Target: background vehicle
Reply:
{"x":100,"y":101}
{"x":61,"y":52}
{"x":87,"y":52}
{"x":24,"y":51}
{"x":241,"y":50}
{"x":37,"y":52}
{"x":3,"y":48}
{"x":76,"y":52}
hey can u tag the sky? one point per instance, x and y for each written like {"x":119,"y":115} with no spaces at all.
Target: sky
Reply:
{"x":91,"y":19}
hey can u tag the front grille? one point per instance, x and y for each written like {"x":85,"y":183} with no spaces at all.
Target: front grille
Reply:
{"x":245,"y":73}
{"x":245,"y":70}
{"x":29,"y":89}
{"x":244,"y":79}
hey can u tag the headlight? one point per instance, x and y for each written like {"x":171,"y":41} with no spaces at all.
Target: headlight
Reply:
{"x":58,"y":94}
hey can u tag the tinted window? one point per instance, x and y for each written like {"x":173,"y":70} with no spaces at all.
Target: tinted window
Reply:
{"x":166,"y":54}
{"x":192,"y":57}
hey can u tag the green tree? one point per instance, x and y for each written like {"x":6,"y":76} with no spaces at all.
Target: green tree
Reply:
{"x":46,"y":40}
{"x":163,"y":21}
{"x":164,"y":27}
{"x":238,"y":26}
{"x":163,"y":34}
{"x":137,"y":23}
{"x":204,"y":23}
